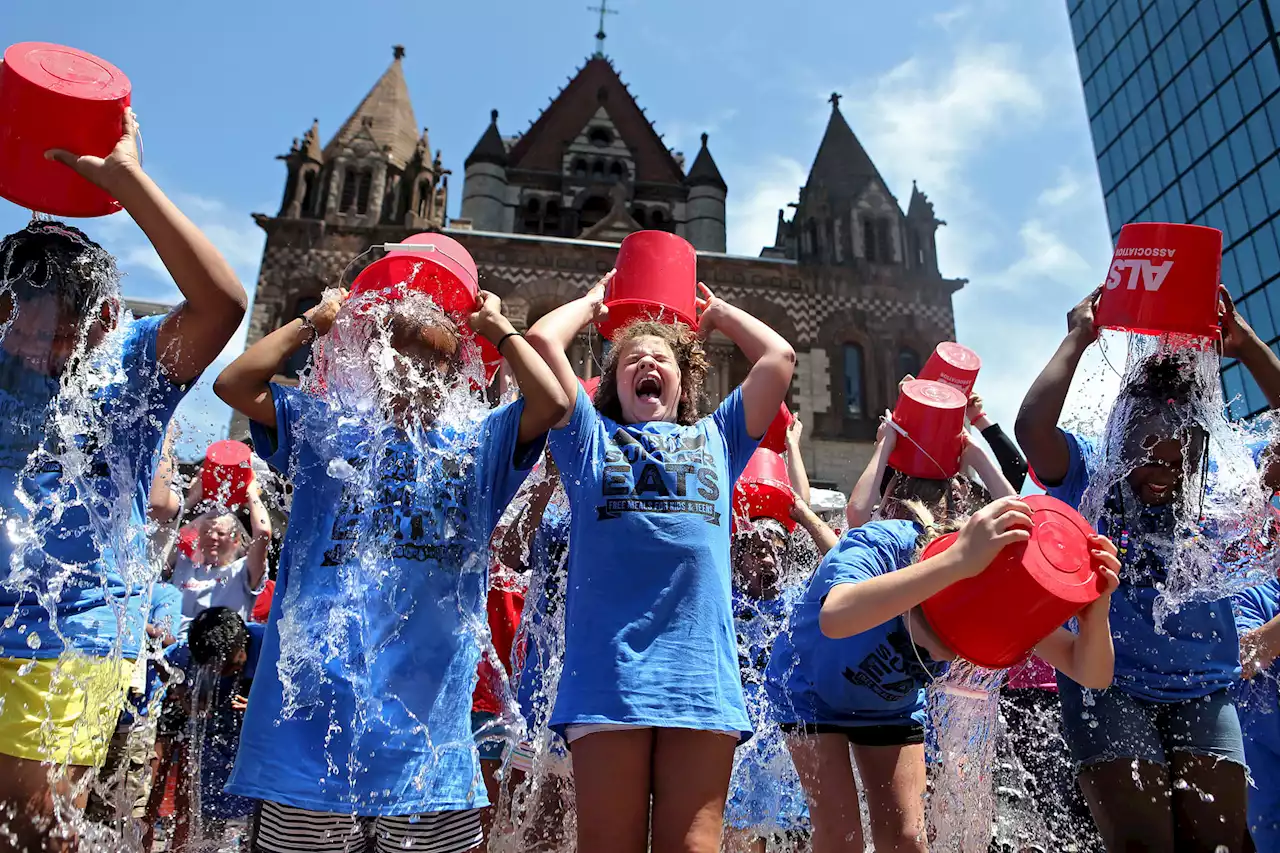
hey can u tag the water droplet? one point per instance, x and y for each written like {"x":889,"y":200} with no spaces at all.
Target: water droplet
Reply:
{"x":33,"y":640}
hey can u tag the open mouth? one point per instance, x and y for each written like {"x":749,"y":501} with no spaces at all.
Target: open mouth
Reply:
{"x":1159,"y":491}
{"x":649,"y":389}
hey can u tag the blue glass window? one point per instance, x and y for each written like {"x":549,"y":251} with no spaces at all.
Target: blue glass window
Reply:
{"x":1247,"y":264}
{"x":1264,"y":243}
{"x":1177,"y":212}
{"x":1237,"y":220}
{"x":1273,"y":115}
{"x":1269,"y":176}
{"x":1264,"y":65}
{"x":1262,"y":320}
{"x":1177,"y":49}
{"x":1191,"y":195}
{"x":1164,"y":165}
{"x":1181,"y":149}
{"x":1195,"y":133}
{"x":1253,"y":398}
{"x":1247,"y":84}
{"x":1226,"y":8}
{"x":1234,"y":391}
{"x":854,"y":386}
{"x":1223,"y":166}
{"x":1231,"y":275}
{"x":1219,"y":63}
{"x":1255,"y":25}
{"x":1241,"y":150}
{"x":1191,"y":32}
{"x":1208,"y":17}
{"x":1255,"y":202}
{"x":1260,"y":133}
{"x":1201,"y":76}
{"x":1212,"y":115}
{"x":1229,"y":102}
{"x":908,"y":362}
{"x":1237,"y":42}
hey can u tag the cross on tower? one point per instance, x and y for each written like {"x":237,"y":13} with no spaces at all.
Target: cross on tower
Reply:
{"x":834,"y":101}
{"x":603,"y":9}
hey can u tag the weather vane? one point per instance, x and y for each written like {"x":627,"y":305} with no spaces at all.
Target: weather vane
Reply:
{"x":603,"y":9}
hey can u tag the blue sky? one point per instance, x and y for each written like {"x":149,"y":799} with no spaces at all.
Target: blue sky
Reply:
{"x":978,"y":100}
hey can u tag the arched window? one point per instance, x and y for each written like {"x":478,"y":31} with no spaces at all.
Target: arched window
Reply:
{"x":657,"y":221}
{"x":884,"y":240}
{"x":593,"y":210}
{"x":811,"y":236}
{"x":580,"y":167}
{"x":295,"y":364}
{"x":532,"y":217}
{"x":597,"y":168}
{"x":308,"y":192}
{"x":362,"y":194}
{"x":349,"y":182}
{"x":616,"y":171}
{"x":869,"y":245}
{"x":551,"y":219}
{"x":908,"y":362}
{"x":855,"y":398}
{"x":600,"y":136}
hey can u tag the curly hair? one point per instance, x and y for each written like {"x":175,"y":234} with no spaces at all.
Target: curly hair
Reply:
{"x":691,"y":360}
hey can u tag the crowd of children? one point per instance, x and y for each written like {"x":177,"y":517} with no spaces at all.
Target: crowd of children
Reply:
{"x":548,"y":624}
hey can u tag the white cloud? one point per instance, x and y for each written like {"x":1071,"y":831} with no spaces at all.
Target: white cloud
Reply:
{"x":1067,"y":189}
{"x":1046,"y":255}
{"x":686,"y":136}
{"x":752,"y":213}
{"x":946,"y":20}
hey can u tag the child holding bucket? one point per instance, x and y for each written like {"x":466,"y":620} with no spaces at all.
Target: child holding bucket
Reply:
{"x":384,"y":567}
{"x":77,"y":555}
{"x":650,"y":701}
{"x":1159,"y":756}
{"x":851,"y":670}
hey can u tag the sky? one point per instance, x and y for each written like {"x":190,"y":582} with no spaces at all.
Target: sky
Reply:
{"x":979,"y":101}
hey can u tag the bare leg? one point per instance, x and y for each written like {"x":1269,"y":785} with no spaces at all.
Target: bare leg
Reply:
{"x":1209,"y":812}
{"x":161,"y":764}
{"x":826,"y":774}
{"x":1130,"y":803}
{"x":893,"y":779}
{"x":489,"y":771}
{"x":612,"y":778}
{"x":691,"y":772}
{"x":28,"y":793}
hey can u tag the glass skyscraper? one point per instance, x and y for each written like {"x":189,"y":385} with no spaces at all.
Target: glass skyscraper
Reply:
{"x":1183,"y":106}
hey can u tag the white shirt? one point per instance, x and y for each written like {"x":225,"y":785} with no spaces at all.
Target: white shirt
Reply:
{"x":214,"y":586}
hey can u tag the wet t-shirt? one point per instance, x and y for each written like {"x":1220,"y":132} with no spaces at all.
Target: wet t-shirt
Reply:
{"x":362,"y":702}
{"x":543,"y":613}
{"x":1258,"y":701}
{"x":1195,"y":652}
{"x":649,"y":637}
{"x":75,"y":516}
{"x":166,"y":612}
{"x":214,"y":586}
{"x":875,"y":678}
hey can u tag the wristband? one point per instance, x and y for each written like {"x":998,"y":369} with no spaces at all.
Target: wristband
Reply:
{"x":502,"y":340}
{"x":307,"y":324}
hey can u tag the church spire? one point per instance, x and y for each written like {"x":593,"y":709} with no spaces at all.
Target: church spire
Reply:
{"x":385,"y":114}
{"x":842,"y":166}
{"x":703,"y":172}
{"x":603,"y":9}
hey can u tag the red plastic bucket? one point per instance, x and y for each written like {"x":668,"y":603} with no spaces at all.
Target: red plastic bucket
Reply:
{"x":775,"y":438}
{"x":931,"y":415}
{"x":227,"y":472}
{"x":57,"y":97}
{"x":1029,"y":590}
{"x":656,"y":279}
{"x":954,"y":365}
{"x":1164,"y":278}
{"x":764,"y":489}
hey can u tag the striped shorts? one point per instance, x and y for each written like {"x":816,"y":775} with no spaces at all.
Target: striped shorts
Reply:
{"x":285,"y":829}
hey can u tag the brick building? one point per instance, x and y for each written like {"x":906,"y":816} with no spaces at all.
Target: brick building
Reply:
{"x":851,"y":281}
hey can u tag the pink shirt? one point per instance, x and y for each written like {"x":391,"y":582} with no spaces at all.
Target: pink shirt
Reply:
{"x":1035,"y":674}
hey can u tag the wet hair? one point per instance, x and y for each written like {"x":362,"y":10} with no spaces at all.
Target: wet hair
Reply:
{"x":217,"y":635}
{"x":1169,"y":378}
{"x":51,"y":258}
{"x":691,"y":359}
{"x":205,"y":519}
{"x":939,"y":507}
{"x":437,"y":332}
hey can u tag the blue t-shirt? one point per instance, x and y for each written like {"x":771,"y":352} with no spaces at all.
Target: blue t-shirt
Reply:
{"x":1258,"y":701}
{"x":649,"y":637}
{"x":870,"y":679}
{"x":542,"y":612}
{"x":1196,"y":652}
{"x":86,"y":535}
{"x":386,"y":728}
{"x":166,"y":612}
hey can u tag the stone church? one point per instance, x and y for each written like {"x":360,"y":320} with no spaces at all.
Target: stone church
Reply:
{"x":851,"y":281}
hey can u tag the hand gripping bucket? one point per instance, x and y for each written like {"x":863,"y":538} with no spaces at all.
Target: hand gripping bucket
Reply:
{"x":438,"y":266}
{"x":929,"y":419}
{"x":775,"y":438}
{"x":764,"y":490}
{"x":57,"y":97}
{"x":1030,"y":589}
{"x":1164,"y":278}
{"x":227,"y":472}
{"x":656,"y":279}
{"x":954,"y":365}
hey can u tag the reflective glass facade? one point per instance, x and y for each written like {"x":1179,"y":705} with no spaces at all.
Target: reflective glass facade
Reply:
{"x":1185,"y":114}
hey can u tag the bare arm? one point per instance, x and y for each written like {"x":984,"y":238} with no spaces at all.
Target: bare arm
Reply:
{"x":164,"y":503}
{"x":795,"y":461}
{"x":773,"y":361}
{"x":863,"y":498}
{"x":992,"y":477}
{"x":513,"y":545}
{"x":823,"y":536}
{"x":552,"y":336}
{"x":194,"y":333}
{"x":1037,"y":426}
{"x":1088,"y":658}
{"x":260,"y":530}
{"x":852,"y":608}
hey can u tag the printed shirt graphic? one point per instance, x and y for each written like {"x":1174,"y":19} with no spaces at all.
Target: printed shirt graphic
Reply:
{"x":89,"y":521}
{"x":870,"y":679}
{"x":411,"y":750}
{"x":1258,"y":701}
{"x":1194,"y":654}
{"x":214,"y":586}
{"x":649,"y":636}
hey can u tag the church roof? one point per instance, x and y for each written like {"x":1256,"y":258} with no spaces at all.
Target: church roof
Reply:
{"x":842,"y":166}
{"x":490,"y":148}
{"x":385,"y":114}
{"x":920,"y":206}
{"x":703,"y":172}
{"x":596,"y":84}
{"x":311,"y":142}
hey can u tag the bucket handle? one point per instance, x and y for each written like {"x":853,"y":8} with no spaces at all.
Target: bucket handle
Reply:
{"x":902,"y":432}
{"x":425,"y":248}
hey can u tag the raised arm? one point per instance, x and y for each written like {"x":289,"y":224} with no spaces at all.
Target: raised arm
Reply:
{"x":1088,"y":658}
{"x":1012,"y":463}
{"x":165,"y":505}
{"x":546,"y":403}
{"x":795,"y":461}
{"x":1239,"y":341}
{"x":823,"y":536}
{"x":863,"y":498}
{"x":196,"y":331}
{"x":772,"y":359}
{"x":1037,"y":425}
{"x":512,"y":544}
{"x":552,"y":336}
{"x":992,"y":477}
{"x":245,"y":384}
{"x":260,"y":544}
{"x":852,"y":608}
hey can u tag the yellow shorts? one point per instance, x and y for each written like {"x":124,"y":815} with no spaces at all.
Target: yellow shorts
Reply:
{"x":62,"y":710}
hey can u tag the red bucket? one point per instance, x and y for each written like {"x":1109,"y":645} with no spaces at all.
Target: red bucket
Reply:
{"x":931,"y":415}
{"x":764,"y":489}
{"x":656,"y":279}
{"x":1164,"y":279}
{"x":954,"y":365}
{"x":57,"y":97}
{"x":775,"y":438}
{"x":227,"y":472}
{"x":1028,"y":591}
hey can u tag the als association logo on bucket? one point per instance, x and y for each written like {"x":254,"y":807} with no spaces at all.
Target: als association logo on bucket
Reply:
{"x":1141,"y":269}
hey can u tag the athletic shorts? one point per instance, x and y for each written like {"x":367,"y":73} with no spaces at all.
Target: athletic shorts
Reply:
{"x":63,"y":709}
{"x":861,"y":735}
{"x":1119,"y":726}
{"x":285,"y":829}
{"x":123,"y":785}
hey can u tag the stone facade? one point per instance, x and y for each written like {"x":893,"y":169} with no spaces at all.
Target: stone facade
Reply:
{"x":851,"y":281}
